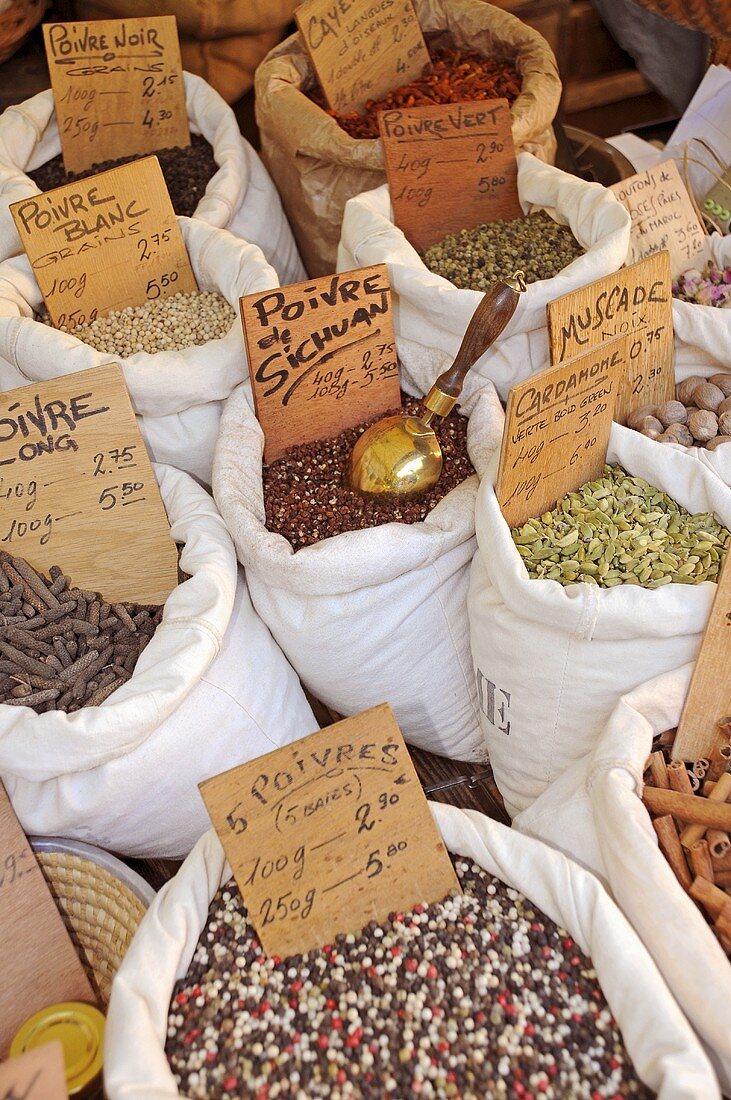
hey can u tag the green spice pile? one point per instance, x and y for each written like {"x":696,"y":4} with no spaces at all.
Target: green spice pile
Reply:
{"x":478,"y":996}
{"x":187,"y":172}
{"x":621,"y":530}
{"x":62,"y":648}
{"x":473,"y":259}
{"x":163,"y":324}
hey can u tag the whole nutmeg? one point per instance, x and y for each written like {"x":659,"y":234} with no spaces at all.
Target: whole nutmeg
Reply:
{"x":671,"y":412}
{"x":724,"y":407}
{"x":677,"y":433}
{"x":649,"y":424}
{"x":708,"y":396}
{"x":684,"y":390}
{"x":714,"y":444}
{"x":634,"y":420}
{"x":703,"y":425}
{"x":723,"y":381}
{"x":651,"y":433}
{"x":724,"y":423}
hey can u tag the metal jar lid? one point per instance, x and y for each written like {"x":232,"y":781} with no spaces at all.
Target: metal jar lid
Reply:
{"x":80,"y":1029}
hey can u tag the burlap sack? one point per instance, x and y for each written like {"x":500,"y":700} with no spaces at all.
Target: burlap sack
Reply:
{"x":317,"y":167}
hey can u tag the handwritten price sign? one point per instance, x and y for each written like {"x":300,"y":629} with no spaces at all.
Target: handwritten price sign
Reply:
{"x":429,"y":149}
{"x":77,"y":488}
{"x":635,"y":302}
{"x":322,"y":356}
{"x":118,"y":88}
{"x":330,"y":833}
{"x":557,"y":426}
{"x":104,"y":243}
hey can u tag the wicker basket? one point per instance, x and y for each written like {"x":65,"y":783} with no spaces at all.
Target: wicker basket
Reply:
{"x":100,"y":899}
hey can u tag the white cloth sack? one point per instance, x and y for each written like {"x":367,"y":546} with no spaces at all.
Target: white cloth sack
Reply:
{"x":210,"y":691}
{"x":665,"y":1053}
{"x":177,"y":395}
{"x":703,"y":333}
{"x":594,"y":815}
{"x":240,"y":197}
{"x":375,"y":615}
{"x":552,"y":662}
{"x":431,"y":314}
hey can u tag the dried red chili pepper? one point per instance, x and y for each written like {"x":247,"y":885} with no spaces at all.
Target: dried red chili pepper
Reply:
{"x":456,"y":77}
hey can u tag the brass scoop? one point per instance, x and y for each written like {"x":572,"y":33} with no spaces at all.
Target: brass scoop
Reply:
{"x":400,"y":455}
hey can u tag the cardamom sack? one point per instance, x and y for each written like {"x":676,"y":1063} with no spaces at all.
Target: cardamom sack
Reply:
{"x":211,"y":690}
{"x":317,"y":167}
{"x":241,"y":197}
{"x":665,"y":1052}
{"x":552,"y":662}
{"x":594,"y":814}
{"x":431,"y":313}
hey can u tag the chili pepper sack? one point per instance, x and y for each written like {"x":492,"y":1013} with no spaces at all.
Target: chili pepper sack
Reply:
{"x":177,"y":395}
{"x":317,"y":167}
{"x":553,"y":662}
{"x":594,"y":814}
{"x":431,"y":313}
{"x":210,"y":691}
{"x":665,"y":1052}
{"x":241,"y":197}
{"x":371,"y":616}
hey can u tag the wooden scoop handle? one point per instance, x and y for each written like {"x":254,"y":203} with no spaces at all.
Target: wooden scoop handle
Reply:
{"x":486,"y":324}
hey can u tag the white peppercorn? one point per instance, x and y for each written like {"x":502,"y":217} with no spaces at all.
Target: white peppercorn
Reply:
{"x":708,"y":396}
{"x":671,"y":412}
{"x":684,"y":390}
{"x":723,"y":381}
{"x":703,"y":425}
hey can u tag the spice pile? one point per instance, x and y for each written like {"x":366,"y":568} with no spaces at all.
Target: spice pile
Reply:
{"x":457,"y":76}
{"x":474,"y":258}
{"x":163,"y":324}
{"x":697,"y":795}
{"x":700,"y":415}
{"x":187,"y":172}
{"x":61,"y":648}
{"x":480,"y":995}
{"x":306,"y":499}
{"x":621,"y":530}
{"x":709,"y":287}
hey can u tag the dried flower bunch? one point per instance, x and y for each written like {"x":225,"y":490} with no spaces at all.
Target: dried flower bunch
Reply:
{"x":709,"y":287}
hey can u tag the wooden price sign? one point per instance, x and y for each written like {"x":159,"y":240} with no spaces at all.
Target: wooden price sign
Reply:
{"x":329,"y":833}
{"x":38,"y":962}
{"x":117,"y":87}
{"x":77,"y":488}
{"x":428,"y":149}
{"x":322,"y":356}
{"x":38,"y":1075}
{"x":362,"y":49}
{"x":709,"y":695}
{"x":635,"y":302}
{"x":662,"y":217}
{"x":556,"y":433}
{"x":104,"y":243}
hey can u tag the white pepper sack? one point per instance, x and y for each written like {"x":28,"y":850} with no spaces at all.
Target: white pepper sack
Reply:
{"x":662,"y":1046}
{"x":369,"y":616}
{"x":431,"y":313}
{"x":240,"y":197}
{"x":594,"y":814}
{"x":552,"y":662}
{"x":210,"y":691}
{"x":177,"y":395}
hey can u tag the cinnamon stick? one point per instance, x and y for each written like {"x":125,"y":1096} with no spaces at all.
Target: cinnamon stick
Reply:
{"x":689,"y":807}
{"x":700,"y":860}
{"x":722,"y":879}
{"x":709,"y":896}
{"x":720,"y":793}
{"x":679,"y":778}
{"x":718,"y":843}
{"x":720,"y":758}
{"x":659,"y":771}
{"x":671,"y":848}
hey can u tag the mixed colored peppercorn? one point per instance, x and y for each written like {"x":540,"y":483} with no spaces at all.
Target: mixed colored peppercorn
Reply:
{"x":457,"y":76}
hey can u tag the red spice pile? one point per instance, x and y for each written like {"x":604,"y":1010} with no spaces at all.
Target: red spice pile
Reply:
{"x":457,"y":76}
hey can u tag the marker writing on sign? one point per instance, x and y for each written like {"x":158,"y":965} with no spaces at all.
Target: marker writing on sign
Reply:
{"x":459,"y":119}
{"x":619,"y":301}
{"x":65,"y":40}
{"x":274,"y":307}
{"x":43,"y":212}
{"x":39,"y":424}
{"x":534,"y":400}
